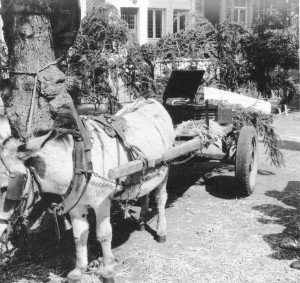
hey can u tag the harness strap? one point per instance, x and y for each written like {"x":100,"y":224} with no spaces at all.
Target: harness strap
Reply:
{"x":77,"y":192}
{"x":36,"y":178}
{"x":120,"y":133}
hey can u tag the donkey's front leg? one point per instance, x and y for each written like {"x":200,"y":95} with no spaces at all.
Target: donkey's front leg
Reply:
{"x":104,"y":236}
{"x":161,"y":199}
{"x":80,"y":231}
{"x":144,"y":212}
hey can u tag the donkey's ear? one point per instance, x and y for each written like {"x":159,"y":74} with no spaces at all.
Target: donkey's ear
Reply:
{"x":35,"y":144}
{"x":5,"y":128}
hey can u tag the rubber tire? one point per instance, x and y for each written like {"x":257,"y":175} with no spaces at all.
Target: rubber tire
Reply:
{"x":246,"y":161}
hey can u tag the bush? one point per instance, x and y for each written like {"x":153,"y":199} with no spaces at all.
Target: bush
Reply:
{"x":269,"y":48}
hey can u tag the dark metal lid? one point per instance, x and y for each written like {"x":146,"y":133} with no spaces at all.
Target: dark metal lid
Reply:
{"x":65,"y":20}
{"x":183,"y":83}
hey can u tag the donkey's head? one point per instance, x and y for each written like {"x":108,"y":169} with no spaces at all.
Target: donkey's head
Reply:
{"x":11,"y":170}
{"x":50,"y":154}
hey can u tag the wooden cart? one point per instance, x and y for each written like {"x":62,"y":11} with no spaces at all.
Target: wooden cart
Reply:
{"x":179,"y":100}
{"x":245,"y":161}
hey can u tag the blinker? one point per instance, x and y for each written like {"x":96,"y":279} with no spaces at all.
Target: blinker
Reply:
{"x":15,"y":186}
{"x":10,"y":205}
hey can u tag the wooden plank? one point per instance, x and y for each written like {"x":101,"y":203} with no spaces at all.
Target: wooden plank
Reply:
{"x":182,"y":149}
{"x":137,"y":165}
{"x":126,"y":169}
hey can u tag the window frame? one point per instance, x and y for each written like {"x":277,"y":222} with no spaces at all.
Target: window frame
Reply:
{"x":240,"y":8}
{"x":180,"y":13}
{"x":135,"y":17}
{"x":154,"y":23}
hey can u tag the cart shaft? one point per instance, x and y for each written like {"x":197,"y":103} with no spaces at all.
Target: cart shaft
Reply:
{"x":138,"y":165}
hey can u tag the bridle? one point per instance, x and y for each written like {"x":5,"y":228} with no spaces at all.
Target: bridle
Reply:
{"x":33,"y":202}
{"x":26,"y":201}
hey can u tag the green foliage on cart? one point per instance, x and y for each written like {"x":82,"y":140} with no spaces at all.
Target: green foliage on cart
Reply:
{"x":241,"y":117}
{"x":265,"y":131}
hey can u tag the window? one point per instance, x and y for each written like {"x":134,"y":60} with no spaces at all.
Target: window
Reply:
{"x":199,"y":4}
{"x":266,"y":7}
{"x":179,"y":20}
{"x":155,"y":23}
{"x":273,"y":7}
{"x":129,"y":15}
{"x":240,"y":11}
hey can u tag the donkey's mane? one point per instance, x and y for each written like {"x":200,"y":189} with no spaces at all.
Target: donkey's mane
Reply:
{"x":41,"y":131}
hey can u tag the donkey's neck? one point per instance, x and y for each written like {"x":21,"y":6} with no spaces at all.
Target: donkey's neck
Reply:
{"x":54,"y":165}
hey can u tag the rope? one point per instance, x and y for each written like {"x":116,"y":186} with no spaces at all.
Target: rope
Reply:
{"x":32,"y":100}
{"x":35,"y":74}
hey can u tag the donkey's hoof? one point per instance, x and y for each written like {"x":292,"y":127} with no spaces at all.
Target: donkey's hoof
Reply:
{"x":108,"y":279}
{"x":161,"y":239}
{"x":74,"y":276}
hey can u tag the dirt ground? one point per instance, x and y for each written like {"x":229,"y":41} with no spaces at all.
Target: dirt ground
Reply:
{"x":212,"y":236}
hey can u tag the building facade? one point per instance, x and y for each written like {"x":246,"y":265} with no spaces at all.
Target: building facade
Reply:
{"x":152,"y":19}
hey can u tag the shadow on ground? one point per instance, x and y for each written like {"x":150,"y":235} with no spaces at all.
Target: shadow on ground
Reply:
{"x":212,"y":175}
{"x":265,"y":172}
{"x":286,"y":216}
{"x":289,"y":145}
{"x":221,"y":187}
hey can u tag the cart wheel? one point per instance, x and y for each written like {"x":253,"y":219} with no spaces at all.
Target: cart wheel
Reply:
{"x":246,"y":161}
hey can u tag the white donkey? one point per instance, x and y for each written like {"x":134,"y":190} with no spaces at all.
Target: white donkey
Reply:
{"x":149,"y":128}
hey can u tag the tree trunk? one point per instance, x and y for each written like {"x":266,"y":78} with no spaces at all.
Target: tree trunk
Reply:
{"x":29,"y":40}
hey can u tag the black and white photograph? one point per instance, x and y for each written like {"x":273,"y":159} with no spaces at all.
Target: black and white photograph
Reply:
{"x":149,"y":141}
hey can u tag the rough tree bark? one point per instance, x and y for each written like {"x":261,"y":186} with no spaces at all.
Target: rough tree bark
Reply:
{"x":28,"y":35}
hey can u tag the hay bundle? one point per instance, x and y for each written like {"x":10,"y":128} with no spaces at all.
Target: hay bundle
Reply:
{"x":199,"y":128}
